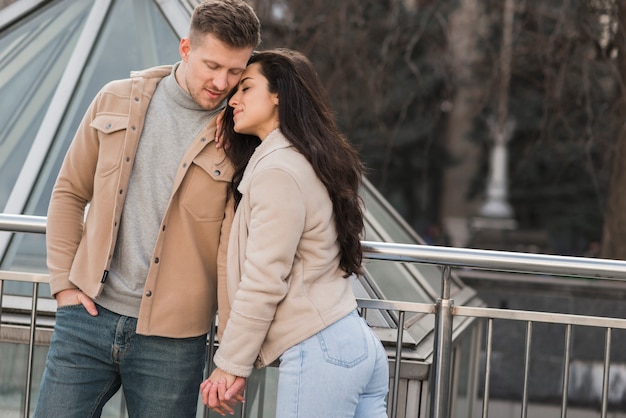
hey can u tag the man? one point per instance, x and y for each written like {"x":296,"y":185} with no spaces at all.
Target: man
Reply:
{"x":136,"y":281}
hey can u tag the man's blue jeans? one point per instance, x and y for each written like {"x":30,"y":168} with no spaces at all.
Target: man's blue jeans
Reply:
{"x":91,"y":357}
{"x":341,"y":372}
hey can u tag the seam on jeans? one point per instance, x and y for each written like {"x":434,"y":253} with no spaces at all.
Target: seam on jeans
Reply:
{"x":94,"y":410}
{"x":300,"y":374}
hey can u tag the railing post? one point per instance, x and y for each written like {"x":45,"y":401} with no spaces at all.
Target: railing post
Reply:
{"x":442,"y":351}
{"x":31,"y":350}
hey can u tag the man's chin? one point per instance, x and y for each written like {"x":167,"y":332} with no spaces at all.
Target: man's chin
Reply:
{"x":208,"y":103}
{"x":212,"y":104}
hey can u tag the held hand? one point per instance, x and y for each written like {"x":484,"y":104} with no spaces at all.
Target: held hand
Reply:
{"x":76,"y":297}
{"x":221,"y":391}
{"x":234,"y":392}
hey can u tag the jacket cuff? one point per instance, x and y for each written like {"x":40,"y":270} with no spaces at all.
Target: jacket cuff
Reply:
{"x":59,"y":283}
{"x":228,"y":367}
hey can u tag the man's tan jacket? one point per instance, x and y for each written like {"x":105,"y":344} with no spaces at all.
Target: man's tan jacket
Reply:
{"x":179,"y":298}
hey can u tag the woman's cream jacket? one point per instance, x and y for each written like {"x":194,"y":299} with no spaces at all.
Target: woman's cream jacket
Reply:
{"x":284,"y":283}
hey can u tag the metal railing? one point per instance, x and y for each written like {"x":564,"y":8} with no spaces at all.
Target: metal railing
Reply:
{"x":499,"y":261}
{"x":444,"y":309}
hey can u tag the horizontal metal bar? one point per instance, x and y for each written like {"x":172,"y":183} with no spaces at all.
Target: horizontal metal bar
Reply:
{"x":497,"y":260}
{"x":22,"y":223}
{"x":391,"y":305}
{"x":438,"y":255}
{"x":554,"y":318}
{"x":24,"y":277}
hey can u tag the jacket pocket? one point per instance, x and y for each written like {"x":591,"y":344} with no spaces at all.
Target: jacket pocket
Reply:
{"x":111,"y":129}
{"x":206,"y":186}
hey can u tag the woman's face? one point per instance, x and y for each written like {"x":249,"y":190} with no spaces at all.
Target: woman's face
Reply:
{"x":255,"y":108}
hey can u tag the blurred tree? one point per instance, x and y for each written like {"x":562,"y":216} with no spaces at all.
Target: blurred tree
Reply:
{"x":563,"y":98}
{"x":469,"y":26}
{"x":385,"y":69}
{"x":415,"y":82}
{"x":614,"y":236}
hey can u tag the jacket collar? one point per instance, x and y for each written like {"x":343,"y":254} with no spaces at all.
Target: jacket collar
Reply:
{"x":154,"y":72}
{"x":274,"y":141}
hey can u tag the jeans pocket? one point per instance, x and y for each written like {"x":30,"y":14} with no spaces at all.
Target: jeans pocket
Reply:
{"x":69,"y":310}
{"x":69,"y":307}
{"x":344,"y":343}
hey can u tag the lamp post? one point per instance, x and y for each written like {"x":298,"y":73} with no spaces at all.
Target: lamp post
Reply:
{"x":496,"y":213}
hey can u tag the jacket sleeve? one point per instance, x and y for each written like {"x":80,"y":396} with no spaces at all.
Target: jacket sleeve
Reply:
{"x":277,"y":219}
{"x":71,"y":194}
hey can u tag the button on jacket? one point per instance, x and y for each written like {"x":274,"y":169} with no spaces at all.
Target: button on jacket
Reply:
{"x":179,"y":299}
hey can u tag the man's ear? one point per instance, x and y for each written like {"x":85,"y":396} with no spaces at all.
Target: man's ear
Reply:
{"x":184,"y":47}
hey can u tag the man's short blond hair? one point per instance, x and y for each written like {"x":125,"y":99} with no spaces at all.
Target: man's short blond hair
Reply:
{"x":233,"y":22}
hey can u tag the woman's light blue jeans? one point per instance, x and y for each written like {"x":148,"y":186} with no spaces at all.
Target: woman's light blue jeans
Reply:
{"x":91,"y":357}
{"x":342,"y":371}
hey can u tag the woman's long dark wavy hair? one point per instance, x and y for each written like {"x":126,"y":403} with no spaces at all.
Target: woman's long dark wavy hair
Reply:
{"x":307,"y":121}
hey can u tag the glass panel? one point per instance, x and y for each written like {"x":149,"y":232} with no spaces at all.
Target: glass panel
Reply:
{"x":393,"y":229}
{"x":395,"y":283}
{"x":140,"y":31}
{"x":33,"y":56}
{"x":13,"y":370}
{"x":409,"y":282}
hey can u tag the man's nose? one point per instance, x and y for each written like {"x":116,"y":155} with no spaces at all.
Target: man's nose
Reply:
{"x":221,"y":81}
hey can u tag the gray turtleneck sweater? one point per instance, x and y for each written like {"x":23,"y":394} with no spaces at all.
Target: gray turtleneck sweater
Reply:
{"x":172,"y":122}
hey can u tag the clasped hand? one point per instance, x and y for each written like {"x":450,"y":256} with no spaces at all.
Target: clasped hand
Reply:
{"x":221,"y":391}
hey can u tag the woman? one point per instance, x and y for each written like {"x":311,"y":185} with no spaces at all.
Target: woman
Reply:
{"x":294,"y":243}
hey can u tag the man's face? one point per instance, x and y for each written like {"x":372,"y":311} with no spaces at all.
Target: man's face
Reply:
{"x":210,"y":69}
